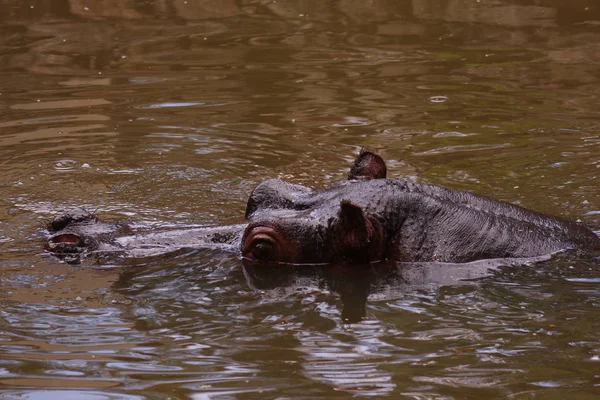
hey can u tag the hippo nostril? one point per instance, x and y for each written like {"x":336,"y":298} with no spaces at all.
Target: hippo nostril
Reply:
{"x":67,"y":238}
{"x":64,"y":243}
{"x":61,"y":222}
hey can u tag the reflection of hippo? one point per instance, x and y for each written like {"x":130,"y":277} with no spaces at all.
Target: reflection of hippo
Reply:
{"x":364,"y":220}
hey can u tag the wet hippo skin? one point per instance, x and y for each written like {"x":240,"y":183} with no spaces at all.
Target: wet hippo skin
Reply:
{"x":367,"y":219}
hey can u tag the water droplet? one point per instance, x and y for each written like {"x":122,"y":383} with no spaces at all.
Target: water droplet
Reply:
{"x":438,"y":99}
{"x":65,"y":165}
{"x":453,"y":133}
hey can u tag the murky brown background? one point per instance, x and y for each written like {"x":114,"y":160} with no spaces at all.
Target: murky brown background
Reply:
{"x":168,"y":112}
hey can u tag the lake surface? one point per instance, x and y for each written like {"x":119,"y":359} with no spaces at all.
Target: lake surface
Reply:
{"x":167,"y":113}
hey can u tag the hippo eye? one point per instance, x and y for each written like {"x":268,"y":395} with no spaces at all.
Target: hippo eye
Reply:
{"x":263,"y":250}
{"x":265,"y":244}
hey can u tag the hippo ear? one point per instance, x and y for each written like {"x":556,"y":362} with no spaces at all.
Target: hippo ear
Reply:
{"x":352,"y":222}
{"x":368,"y":165}
{"x":356,"y":238}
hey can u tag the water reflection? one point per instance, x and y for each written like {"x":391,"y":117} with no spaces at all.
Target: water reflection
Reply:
{"x":354,"y":284}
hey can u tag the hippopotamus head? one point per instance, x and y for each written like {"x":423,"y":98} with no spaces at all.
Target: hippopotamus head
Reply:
{"x":366,"y":219}
{"x":293,"y":224}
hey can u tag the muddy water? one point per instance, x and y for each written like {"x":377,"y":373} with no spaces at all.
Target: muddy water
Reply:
{"x":167,"y":113}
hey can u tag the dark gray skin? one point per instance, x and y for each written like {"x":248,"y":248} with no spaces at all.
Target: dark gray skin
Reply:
{"x":77,"y":234}
{"x":364,"y":220}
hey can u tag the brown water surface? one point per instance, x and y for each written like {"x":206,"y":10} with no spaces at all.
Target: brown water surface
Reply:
{"x":169,"y":112}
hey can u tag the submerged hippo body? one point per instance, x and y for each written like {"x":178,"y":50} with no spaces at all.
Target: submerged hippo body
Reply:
{"x":366,"y":219}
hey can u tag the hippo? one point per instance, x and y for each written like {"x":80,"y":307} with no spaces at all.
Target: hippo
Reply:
{"x":365,"y":220}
